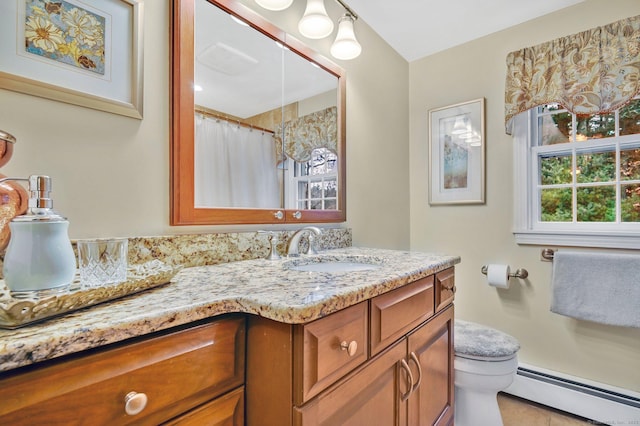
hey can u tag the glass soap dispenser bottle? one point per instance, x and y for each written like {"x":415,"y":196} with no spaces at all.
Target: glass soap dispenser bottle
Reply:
{"x":39,"y":261}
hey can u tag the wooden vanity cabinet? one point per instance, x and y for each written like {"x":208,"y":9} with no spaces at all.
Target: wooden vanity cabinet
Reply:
{"x":186,"y":376}
{"x":407,"y":378}
{"x":445,"y":289}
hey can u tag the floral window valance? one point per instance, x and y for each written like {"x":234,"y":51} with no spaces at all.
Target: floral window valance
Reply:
{"x":304,"y":134}
{"x":595,"y":71}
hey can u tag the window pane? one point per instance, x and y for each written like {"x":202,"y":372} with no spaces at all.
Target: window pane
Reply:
{"x":556,"y":205}
{"x":595,"y":126}
{"x":330,"y":205}
{"x":630,"y":203}
{"x":316,"y":190}
{"x":555,"y":170}
{"x":630,"y":164}
{"x":555,"y":128}
{"x":330,"y":188}
{"x":630,"y":118}
{"x":302,"y":205}
{"x":316,"y":205}
{"x":596,"y":204}
{"x":550,"y":107}
{"x":596,"y":167}
{"x":323,"y":162}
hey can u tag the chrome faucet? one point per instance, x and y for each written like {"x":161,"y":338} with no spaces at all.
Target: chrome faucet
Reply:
{"x":294,"y":242}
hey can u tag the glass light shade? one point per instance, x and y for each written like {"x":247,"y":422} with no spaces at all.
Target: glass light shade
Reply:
{"x":315,"y":23}
{"x":346,"y":46}
{"x":274,"y":4}
{"x":460,"y":126}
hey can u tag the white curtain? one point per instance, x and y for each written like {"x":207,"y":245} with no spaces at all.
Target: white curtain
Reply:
{"x":234,"y":166}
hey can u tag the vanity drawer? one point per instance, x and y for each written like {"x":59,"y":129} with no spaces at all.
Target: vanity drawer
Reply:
{"x":445,"y":288}
{"x":176,"y":372}
{"x":225,"y":410}
{"x":329,"y":348}
{"x":395,"y":313}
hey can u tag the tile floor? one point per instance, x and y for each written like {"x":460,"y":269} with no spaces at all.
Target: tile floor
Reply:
{"x":519,"y":412}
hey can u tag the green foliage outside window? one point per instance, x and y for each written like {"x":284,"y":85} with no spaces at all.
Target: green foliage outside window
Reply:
{"x":595,"y":168}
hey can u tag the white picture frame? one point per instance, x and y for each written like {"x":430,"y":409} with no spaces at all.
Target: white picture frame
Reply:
{"x":111,"y":82}
{"x":456,"y":154}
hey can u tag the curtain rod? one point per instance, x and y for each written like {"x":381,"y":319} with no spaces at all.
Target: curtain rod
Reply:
{"x":204,"y":111}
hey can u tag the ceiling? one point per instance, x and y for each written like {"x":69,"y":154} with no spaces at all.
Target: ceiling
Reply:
{"x":418,"y":28}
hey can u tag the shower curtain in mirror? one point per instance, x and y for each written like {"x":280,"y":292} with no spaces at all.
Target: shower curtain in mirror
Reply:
{"x":235,"y":166}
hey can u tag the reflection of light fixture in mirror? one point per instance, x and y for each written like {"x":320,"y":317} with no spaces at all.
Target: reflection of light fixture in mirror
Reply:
{"x":473,"y":139}
{"x":315,"y":23}
{"x":275,"y":4}
{"x":460,"y":126}
{"x":197,"y":88}
{"x":346,"y":46}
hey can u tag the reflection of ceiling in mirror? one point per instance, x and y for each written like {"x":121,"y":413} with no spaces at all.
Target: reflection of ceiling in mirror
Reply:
{"x":240,"y":69}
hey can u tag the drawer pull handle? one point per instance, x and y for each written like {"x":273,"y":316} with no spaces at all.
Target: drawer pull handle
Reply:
{"x":134,"y":403}
{"x":405,"y":367}
{"x":351,"y":347}
{"x":415,"y":359}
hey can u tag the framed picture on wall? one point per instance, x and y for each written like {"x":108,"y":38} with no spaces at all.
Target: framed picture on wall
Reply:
{"x":456,"y":154}
{"x":86,"y":53}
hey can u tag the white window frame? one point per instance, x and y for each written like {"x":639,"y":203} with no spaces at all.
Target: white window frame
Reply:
{"x":291,"y":194}
{"x":528,"y":229}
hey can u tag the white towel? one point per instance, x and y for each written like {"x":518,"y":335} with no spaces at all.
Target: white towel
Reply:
{"x":597,"y":286}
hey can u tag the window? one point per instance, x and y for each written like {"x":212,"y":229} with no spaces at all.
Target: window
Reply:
{"x":578,"y":177}
{"x":314,"y":183}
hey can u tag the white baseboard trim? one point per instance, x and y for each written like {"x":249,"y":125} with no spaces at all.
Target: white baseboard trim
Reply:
{"x":591,"y":400}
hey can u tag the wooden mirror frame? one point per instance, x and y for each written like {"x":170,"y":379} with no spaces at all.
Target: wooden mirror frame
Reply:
{"x":183,"y":210}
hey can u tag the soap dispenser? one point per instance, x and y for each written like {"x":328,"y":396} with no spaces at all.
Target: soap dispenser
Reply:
{"x":39,"y":261}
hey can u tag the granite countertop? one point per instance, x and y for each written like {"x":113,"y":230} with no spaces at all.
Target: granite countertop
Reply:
{"x":266,"y":288}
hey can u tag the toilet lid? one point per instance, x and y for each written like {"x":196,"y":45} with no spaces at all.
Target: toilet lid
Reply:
{"x":478,"y":341}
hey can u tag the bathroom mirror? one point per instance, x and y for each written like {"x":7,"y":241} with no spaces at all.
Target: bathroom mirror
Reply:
{"x":258,"y":128}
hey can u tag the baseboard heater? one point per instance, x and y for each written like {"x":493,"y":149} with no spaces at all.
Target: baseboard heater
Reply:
{"x":580,"y":397}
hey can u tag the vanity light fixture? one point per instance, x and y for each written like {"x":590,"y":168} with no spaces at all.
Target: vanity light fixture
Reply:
{"x":346,"y":46}
{"x":315,"y":23}
{"x":275,"y":4}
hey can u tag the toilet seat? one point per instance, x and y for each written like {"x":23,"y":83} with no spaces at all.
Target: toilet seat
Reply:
{"x":481,"y":343}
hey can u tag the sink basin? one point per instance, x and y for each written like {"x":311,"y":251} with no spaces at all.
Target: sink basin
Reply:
{"x":334,"y":264}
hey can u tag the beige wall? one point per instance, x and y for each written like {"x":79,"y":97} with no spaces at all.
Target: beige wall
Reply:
{"x":482,"y":234}
{"x":111,"y":173}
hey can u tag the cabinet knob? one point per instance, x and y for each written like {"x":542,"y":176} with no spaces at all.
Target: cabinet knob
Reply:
{"x":297,"y":215}
{"x":278,"y":215}
{"x":134,"y":403}
{"x":351,"y":347}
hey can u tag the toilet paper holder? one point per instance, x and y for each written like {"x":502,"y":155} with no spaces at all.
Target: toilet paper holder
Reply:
{"x":519,"y":273}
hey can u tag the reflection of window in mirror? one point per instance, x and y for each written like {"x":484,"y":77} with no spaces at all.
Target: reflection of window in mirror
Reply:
{"x":313,"y":184}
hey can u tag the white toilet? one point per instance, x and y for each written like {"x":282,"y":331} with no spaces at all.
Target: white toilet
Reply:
{"x":485,"y":363}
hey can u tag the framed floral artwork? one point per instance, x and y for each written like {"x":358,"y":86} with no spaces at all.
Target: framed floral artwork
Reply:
{"x":87,"y":53}
{"x":456,"y":154}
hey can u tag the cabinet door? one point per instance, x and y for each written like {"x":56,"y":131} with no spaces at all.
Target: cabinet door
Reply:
{"x":369,"y":396}
{"x":431,"y":360}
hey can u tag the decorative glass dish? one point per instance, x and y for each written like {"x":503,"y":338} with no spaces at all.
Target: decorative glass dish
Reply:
{"x":15,"y":313}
